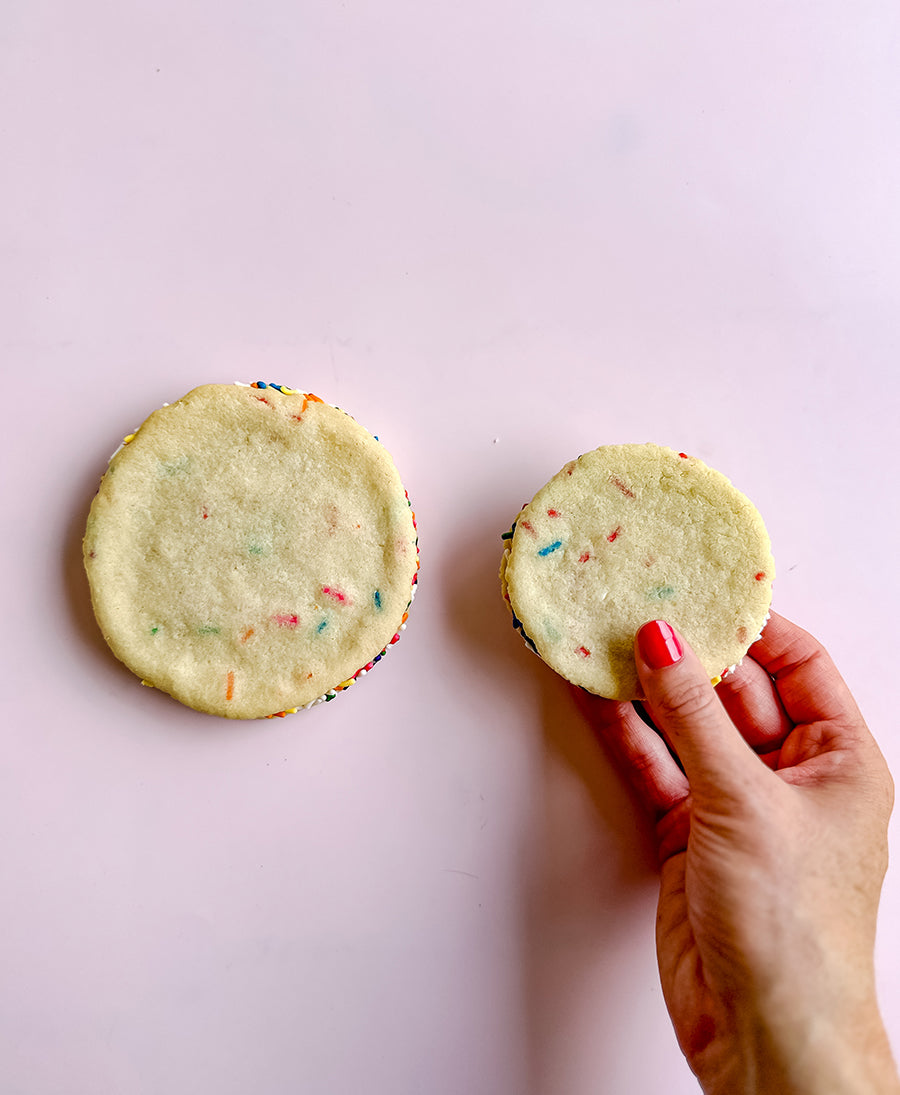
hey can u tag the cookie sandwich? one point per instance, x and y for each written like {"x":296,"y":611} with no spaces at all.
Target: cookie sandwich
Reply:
{"x":631,"y":533}
{"x":251,"y":551}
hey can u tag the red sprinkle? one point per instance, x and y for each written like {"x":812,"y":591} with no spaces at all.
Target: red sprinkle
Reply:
{"x":683,"y":455}
{"x":263,"y":399}
{"x":527,"y":525}
{"x":760,"y":576}
{"x":584,"y":652}
{"x":336,"y":594}
{"x":283,"y":620}
{"x":553,"y":513}
{"x":615,"y":532}
{"x":616,"y":482}
{"x":584,"y":558}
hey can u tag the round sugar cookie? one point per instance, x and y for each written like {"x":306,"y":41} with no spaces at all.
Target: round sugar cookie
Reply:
{"x":627,"y":534}
{"x":251,"y":550}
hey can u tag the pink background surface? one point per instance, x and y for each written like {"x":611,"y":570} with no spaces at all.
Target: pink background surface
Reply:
{"x":499,"y":235}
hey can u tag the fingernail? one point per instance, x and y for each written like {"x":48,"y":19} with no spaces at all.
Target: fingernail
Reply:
{"x":659,"y":645}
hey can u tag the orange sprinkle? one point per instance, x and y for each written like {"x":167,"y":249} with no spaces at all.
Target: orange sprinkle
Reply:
{"x":246,"y":634}
{"x":229,"y":686}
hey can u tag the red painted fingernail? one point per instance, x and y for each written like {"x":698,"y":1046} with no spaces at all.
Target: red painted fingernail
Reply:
{"x":659,"y":645}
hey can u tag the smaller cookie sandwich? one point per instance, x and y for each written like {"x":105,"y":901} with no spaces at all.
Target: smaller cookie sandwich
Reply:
{"x":631,"y":533}
{"x":251,"y":551}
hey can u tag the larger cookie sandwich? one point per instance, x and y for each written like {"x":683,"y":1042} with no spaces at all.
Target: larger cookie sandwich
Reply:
{"x":251,"y":550}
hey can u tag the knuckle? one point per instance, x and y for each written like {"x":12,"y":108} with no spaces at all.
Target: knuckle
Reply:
{"x":686,"y":701}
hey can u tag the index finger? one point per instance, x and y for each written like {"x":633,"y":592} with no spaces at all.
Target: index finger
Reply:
{"x":637,"y":750}
{"x":806,"y":679}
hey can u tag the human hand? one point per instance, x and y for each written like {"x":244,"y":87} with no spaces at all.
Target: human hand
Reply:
{"x":772,"y":837}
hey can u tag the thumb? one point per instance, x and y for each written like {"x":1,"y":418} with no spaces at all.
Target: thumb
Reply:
{"x":685,"y":707}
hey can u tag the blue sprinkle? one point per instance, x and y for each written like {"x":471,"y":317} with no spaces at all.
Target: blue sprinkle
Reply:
{"x":277,"y":387}
{"x":261,"y":384}
{"x":377,"y":599}
{"x":550,"y":548}
{"x":322,"y":626}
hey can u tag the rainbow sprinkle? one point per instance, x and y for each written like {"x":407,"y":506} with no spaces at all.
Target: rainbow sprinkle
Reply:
{"x":337,"y":595}
{"x":283,"y":620}
{"x":619,"y":485}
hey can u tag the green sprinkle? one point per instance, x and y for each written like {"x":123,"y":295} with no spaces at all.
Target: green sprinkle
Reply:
{"x":661,"y":593}
{"x":154,"y":630}
{"x":262,"y":542}
{"x":209,"y":629}
{"x":181,"y":466}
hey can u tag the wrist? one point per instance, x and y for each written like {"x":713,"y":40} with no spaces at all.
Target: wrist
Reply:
{"x":812,"y":1054}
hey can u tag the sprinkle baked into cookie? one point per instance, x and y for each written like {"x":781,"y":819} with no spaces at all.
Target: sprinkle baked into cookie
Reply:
{"x":251,"y":550}
{"x":627,"y":534}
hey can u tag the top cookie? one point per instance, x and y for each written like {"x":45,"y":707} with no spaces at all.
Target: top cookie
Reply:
{"x":627,"y":534}
{"x":250,"y":550}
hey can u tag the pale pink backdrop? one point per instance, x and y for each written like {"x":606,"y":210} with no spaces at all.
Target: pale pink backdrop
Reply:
{"x":499,"y":234}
